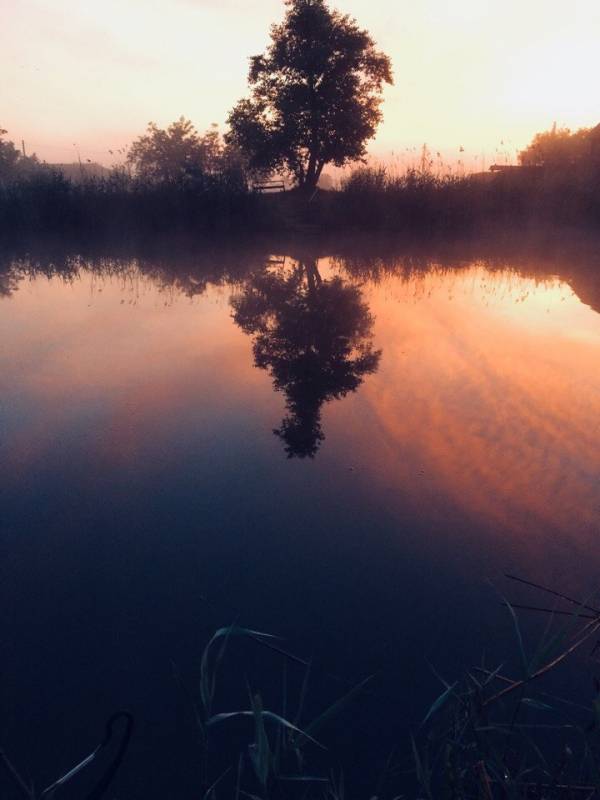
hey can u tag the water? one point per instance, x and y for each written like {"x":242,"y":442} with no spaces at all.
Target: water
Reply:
{"x":337,"y":449}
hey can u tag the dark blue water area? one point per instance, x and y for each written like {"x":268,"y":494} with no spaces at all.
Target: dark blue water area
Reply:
{"x":108,"y":577}
{"x":114,"y":570}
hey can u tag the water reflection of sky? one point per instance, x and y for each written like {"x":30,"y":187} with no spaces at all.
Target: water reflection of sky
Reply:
{"x":488,"y":390}
{"x":489,"y":382}
{"x":140,"y":474}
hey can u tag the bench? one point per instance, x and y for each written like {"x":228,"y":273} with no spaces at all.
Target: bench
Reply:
{"x":270,"y":186}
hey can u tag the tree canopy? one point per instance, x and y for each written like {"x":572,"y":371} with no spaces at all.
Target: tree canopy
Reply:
{"x":561,"y":147}
{"x":175,"y":154}
{"x":13,"y":164}
{"x":315,"y":94}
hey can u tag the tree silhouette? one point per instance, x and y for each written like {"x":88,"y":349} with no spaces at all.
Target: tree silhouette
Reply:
{"x":9,"y":157}
{"x":13,"y":163}
{"x":313,"y":336}
{"x":316,"y":94}
{"x":560,"y":147}
{"x":175,"y":154}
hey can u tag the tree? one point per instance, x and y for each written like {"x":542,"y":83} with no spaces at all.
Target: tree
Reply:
{"x":175,"y":154}
{"x":315,"y":94}
{"x":9,"y":156}
{"x":314,"y":338}
{"x":13,"y":164}
{"x":559,"y":147}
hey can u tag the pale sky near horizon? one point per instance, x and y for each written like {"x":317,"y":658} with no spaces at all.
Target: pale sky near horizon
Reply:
{"x":86,"y":76}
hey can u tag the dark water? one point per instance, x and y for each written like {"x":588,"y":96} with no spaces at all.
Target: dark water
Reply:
{"x":337,"y":449}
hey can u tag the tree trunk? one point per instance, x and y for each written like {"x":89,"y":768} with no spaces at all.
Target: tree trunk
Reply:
{"x":313,"y":173}
{"x":313,"y":277}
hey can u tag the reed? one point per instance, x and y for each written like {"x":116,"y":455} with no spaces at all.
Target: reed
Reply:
{"x":491,"y":734}
{"x":497,"y":732}
{"x":422,"y":200}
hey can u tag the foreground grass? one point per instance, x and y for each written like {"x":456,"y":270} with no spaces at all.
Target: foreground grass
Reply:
{"x":489,"y":734}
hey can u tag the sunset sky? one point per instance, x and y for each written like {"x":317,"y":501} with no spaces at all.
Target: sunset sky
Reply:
{"x":89,"y":75}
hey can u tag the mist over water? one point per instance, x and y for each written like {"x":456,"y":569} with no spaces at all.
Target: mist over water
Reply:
{"x":335,"y":445}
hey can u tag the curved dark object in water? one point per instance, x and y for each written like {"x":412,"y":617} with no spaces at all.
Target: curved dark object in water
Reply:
{"x":98,"y":791}
{"x":110,"y":773}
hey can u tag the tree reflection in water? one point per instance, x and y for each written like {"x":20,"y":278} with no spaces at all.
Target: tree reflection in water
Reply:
{"x":313,"y":336}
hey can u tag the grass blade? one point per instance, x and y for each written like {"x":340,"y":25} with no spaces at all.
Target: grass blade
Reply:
{"x":338,"y":706}
{"x":437,"y":704}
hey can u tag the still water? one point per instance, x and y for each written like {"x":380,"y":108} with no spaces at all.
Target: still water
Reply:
{"x":340,"y":449}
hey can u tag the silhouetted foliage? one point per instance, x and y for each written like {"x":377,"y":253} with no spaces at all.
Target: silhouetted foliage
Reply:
{"x":9,"y":156}
{"x":316,"y":94}
{"x":49,"y":203}
{"x":176,"y":154}
{"x":174,"y":179}
{"x":559,"y":147}
{"x":314,"y":338}
{"x":423,"y":202}
{"x":13,"y":164}
{"x":213,"y":195}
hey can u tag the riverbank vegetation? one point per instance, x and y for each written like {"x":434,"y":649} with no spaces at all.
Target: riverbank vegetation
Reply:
{"x":215,"y":194}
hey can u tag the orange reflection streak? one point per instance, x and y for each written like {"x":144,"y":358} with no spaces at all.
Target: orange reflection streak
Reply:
{"x":486,"y":400}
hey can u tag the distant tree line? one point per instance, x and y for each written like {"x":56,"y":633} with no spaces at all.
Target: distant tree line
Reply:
{"x":171,"y":179}
{"x":559,"y":147}
{"x":178,"y":180}
{"x":13,"y":163}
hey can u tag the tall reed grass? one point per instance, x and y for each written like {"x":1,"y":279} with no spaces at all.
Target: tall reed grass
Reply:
{"x":47,"y":202}
{"x":501,"y":731}
{"x":419,"y":201}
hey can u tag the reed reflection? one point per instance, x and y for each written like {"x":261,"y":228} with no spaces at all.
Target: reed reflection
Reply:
{"x":313,"y":336}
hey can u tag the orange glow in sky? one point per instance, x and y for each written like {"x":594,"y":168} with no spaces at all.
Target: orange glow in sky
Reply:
{"x":87,"y":76}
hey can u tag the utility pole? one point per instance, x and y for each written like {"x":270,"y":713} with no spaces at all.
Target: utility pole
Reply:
{"x":23,"y":148}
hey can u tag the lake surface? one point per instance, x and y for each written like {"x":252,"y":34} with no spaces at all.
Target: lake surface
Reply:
{"x":339,"y":446}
